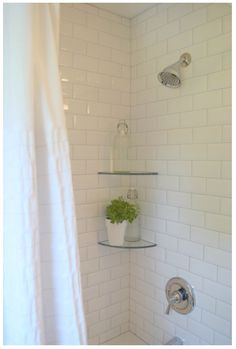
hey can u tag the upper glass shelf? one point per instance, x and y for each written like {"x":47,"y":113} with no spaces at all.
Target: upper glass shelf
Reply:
{"x":128,"y":173}
{"x":130,"y":244}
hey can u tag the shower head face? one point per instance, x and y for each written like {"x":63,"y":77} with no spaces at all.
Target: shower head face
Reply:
{"x":169,"y":79}
{"x":170,"y":76}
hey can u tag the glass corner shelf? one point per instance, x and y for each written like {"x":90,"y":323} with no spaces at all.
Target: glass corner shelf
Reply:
{"x":128,"y":173}
{"x":130,"y":244}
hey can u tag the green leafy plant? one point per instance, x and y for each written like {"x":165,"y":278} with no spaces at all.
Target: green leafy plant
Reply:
{"x":120,"y":210}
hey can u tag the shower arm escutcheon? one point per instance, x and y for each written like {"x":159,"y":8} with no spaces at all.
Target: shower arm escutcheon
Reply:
{"x":180,"y":296}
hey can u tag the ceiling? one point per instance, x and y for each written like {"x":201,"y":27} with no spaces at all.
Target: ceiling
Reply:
{"x":128,"y":10}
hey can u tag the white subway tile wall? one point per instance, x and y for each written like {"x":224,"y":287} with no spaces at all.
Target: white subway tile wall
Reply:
{"x":189,"y":129}
{"x":109,"y":67}
{"x":95,"y":74}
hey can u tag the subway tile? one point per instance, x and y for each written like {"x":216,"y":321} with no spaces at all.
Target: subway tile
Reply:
{"x":216,"y":323}
{"x":204,"y":236}
{"x":207,"y":65}
{"x":96,"y":51}
{"x":168,"y":122}
{"x":227,"y":60}
{"x":73,"y":15}
{"x":178,"y":10}
{"x":154,"y":51}
{"x":227,"y":96}
{"x":193,"y":118}
{"x":226,"y":169}
{"x":194,"y":85}
{"x":73,"y":45}
{"x":227,"y":133}
{"x":218,"y":257}
{"x":179,"y":136}
{"x":207,"y":31}
{"x":120,"y":30}
{"x":65,"y":58}
{"x":217,"y":10}
{"x":109,"y":96}
{"x":205,"y":134}
{"x":191,"y":249}
{"x":109,"y":286}
{"x":106,"y":336}
{"x":203,"y":269}
{"x":146,"y":40}
{"x":206,"y":302}
{"x":223,"y":310}
{"x":193,"y":185}
{"x":85,"y":63}
{"x":209,"y":99}
{"x":193,"y":19}
{"x":227,"y":23}
{"x":180,"y":104}
{"x":192,"y":217}
{"x":121,"y":57}
{"x":177,"y":259}
{"x":99,"y":327}
{"x":193,"y":152}
{"x":220,"y":44}
{"x":179,"y":199}
{"x":168,"y":152}
{"x":219,"y":151}
{"x":181,"y":168}
{"x":156,"y":21}
{"x":85,"y":92}
{"x":219,"y":80}
{"x":109,"y":40}
{"x":220,"y":187}
{"x":219,"y":339}
{"x":218,"y":222}
{"x":205,"y":203}
{"x":110,"y":68}
{"x":86,"y":8}
{"x":225,"y":276}
{"x":85,"y":33}
{"x":225,"y":242}
{"x":224,"y":293}
{"x":71,"y":75}
{"x":157,"y":108}
{"x":180,"y":41}
{"x":180,"y":230}
{"x":202,"y":330}
{"x":156,"y":138}
{"x":167,"y":212}
{"x":206,"y":169}
{"x":98,"y":23}
{"x":66,"y":28}
{"x":168,"y":30}
{"x":219,"y":116}
{"x":168,"y":182}
{"x":98,"y":80}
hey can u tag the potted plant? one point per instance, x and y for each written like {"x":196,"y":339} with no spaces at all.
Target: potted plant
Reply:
{"x":118,"y":213}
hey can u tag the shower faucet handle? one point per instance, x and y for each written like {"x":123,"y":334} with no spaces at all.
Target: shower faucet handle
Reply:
{"x":180,"y":296}
{"x":175,"y":298}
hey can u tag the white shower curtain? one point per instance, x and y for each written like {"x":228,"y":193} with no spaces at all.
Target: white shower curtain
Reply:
{"x":42,"y":290}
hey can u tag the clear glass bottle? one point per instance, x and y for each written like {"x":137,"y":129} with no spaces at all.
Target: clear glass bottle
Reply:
{"x":120,"y":148}
{"x":133,"y":229}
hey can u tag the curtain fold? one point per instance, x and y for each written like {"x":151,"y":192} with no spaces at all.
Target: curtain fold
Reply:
{"x":42,"y":287}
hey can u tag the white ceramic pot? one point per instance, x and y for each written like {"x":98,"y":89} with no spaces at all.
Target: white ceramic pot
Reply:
{"x":116,"y":232}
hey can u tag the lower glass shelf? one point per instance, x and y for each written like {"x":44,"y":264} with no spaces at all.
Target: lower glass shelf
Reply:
{"x":130,"y":244}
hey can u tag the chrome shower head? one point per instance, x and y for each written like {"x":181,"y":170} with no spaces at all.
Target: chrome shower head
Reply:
{"x":170,"y":76}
